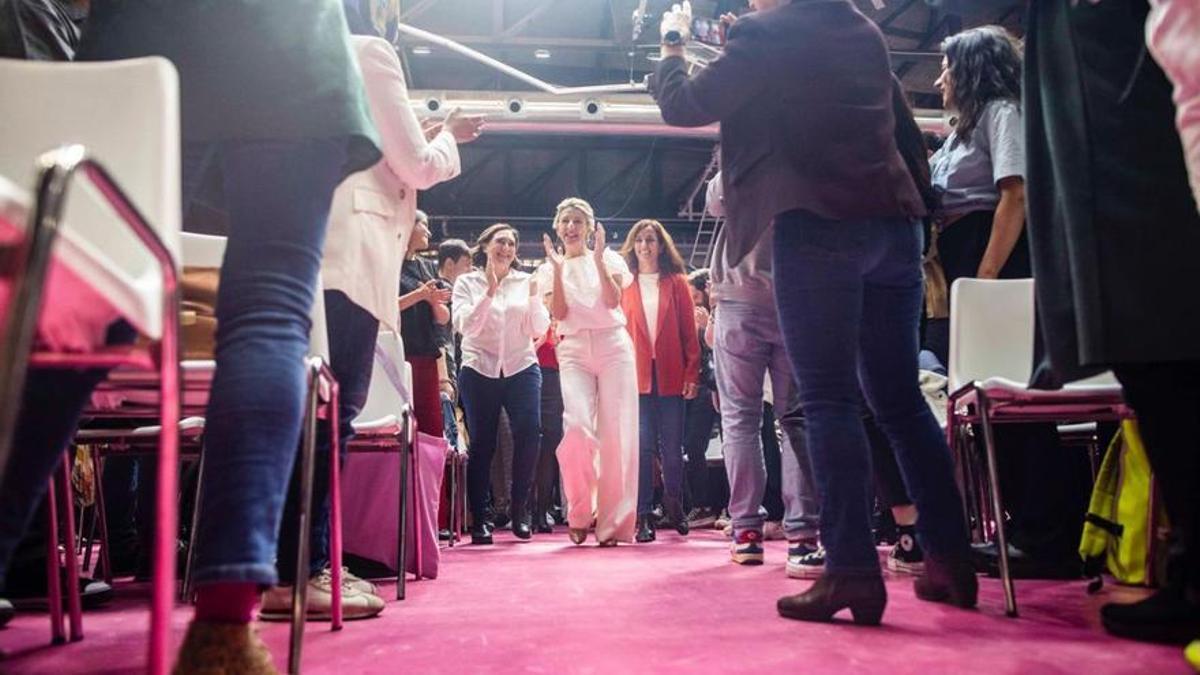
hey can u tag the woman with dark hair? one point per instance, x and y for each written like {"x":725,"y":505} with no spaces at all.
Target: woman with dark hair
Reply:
{"x":499,"y":313}
{"x":979,"y":173}
{"x":660,"y":317}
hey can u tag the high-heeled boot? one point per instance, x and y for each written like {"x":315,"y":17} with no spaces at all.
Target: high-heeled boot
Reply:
{"x":865,"y":597}
{"x":951,"y":581}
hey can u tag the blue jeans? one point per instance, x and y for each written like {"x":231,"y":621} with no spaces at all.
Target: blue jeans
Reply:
{"x":483,"y":397}
{"x":277,"y":195}
{"x":849,"y":295}
{"x":750,"y":348}
{"x":660,"y":432}
{"x":352,"y":332}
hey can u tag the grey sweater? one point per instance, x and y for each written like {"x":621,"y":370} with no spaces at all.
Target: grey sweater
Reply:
{"x":751,"y":280}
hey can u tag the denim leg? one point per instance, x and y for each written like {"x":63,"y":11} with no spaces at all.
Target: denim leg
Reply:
{"x":741,"y":356}
{"x":278,"y":196}
{"x":819,"y":292}
{"x":522,"y":402}
{"x":352,"y":333}
{"x":671,"y":411}
{"x":647,"y":448}
{"x":482,"y":401}
{"x":888,"y":370}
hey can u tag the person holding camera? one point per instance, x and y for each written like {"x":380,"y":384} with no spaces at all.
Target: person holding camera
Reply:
{"x":803,"y":93}
{"x":499,"y":313}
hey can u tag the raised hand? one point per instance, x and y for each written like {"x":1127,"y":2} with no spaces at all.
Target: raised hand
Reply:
{"x":599,"y":244}
{"x":533,"y":287}
{"x":552,"y":255}
{"x":492,"y":279}
{"x":465,"y":128}
{"x":435,"y":294}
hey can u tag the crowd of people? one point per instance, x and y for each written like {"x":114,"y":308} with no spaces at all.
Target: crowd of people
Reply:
{"x":587,"y":390}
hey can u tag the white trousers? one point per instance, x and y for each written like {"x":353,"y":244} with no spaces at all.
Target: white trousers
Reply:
{"x":598,"y":456}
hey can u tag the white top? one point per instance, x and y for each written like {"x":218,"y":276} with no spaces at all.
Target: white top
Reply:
{"x":498,"y":332}
{"x":371,"y":215}
{"x":648,"y":285}
{"x":581,"y":281}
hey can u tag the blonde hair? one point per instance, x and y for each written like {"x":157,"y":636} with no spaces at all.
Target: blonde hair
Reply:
{"x":579,"y":204}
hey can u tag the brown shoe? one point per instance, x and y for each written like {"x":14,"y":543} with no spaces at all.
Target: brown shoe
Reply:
{"x":219,"y":648}
{"x":578,"y":535}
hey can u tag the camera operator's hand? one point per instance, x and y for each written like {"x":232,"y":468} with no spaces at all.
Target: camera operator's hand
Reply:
{"x":727,"y":19}
{"x":676,"y":27}
{"x":464,"y":128}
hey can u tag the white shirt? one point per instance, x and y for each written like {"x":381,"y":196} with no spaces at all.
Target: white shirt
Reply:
{"x":648,"y":285}
{"x":581,"y":282}
{"x":498,"y":332}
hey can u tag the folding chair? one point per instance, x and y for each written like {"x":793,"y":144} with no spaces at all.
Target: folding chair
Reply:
{"x":115,"y":237}
{"x":991,"y":356}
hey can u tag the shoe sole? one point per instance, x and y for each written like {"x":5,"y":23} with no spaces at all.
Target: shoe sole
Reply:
{"x":804,"y":572}
{"x":896,"y":565}
{"x":747,"y":558}
{"x":1179,"y":634}
{"x":318,"y":616}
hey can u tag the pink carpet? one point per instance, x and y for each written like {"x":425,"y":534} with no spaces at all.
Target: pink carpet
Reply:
{"x":674,"y":606}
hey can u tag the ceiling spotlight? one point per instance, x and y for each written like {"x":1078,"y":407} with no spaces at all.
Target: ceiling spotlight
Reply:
{"x":422,"y":50}
{"x":542,"y":53}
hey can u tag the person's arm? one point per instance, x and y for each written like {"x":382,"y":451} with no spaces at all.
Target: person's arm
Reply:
{"x":419,"y":163}
{"x":441,"y":313}
{"x":423,"y":293}
{"x":470,"y":308}
{"x":714,"y":197}
{"x":690,"y":340}
{"x":611,"y":280}
{"x":536,"y":320}
{"x":1006,"y":227}
{"x":710,"y":331}
{"x":1173,"y":38}
{"x":734,"y":79}
{"x":558,"y":294}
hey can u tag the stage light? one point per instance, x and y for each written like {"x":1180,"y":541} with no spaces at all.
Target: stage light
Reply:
{"x":433,"y":104}
{"x":422,"y":50}
{"x":591,"y":109}
{"x":541,"y":53}
{"x":514,"y":107}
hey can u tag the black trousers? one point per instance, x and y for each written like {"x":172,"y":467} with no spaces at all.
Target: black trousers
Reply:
{"x":700,"y":420}
{"x":1167,"y":402}
{"x":546,"y":479}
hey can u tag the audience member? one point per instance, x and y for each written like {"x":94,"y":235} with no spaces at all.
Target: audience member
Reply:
{"x":546,"y":480}
{"x":700,"y":418}
{"x":1115,"y":235}
{"x":499,"y":313}
{"x":599,"y":376}
{"x":423,"y":307}
{"x":360,"y":268}
{"x":847,"y":248}
{"x":661,"y":320}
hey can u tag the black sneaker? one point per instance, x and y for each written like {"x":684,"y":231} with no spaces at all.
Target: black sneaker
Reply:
{"x":906,"y":555}
{"x":701,"y":518}
{"x":805,"y":561}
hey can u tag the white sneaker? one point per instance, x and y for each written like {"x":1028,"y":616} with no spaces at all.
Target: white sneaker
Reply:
{"x":277,"y":601}
{"x":356,"y":583}
{"x":773,"y":531}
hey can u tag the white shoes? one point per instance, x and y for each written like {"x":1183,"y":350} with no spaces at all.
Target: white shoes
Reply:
{"x":356,"y":603}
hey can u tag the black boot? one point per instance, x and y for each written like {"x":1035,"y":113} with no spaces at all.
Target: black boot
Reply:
{"x":481,"y":532}
{"x":950,"y":581}
{"x":645,"y":533}
{"x":676,"y":517}
{"x":1171,"y":615}
{"x":522,"y":522}
{"x":864,"y":596}
{"x":543,"y":523}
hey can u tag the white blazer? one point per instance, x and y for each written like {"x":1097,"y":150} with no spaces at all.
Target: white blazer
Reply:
{"x":371,"y":217}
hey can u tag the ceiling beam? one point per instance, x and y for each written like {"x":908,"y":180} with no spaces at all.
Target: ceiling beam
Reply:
{"x":529,"y":18}
{"x":417,"y":9}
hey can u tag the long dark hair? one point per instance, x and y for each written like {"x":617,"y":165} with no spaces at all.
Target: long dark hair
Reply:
{"x":669,"y":260}
{"x":985,"y":65}
{"x":479,"y":257}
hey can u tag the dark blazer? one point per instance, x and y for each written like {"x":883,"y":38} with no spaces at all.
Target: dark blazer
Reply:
{"x":803,"y":94}
{"x":248,"y":70}
{"x":675,"y":354}
{"x":1113,"y":228}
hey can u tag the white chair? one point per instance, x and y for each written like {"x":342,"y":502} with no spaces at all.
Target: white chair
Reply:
{"x":991,"y":359}
{"x":117,"y":233}
{"x":385,"y":424}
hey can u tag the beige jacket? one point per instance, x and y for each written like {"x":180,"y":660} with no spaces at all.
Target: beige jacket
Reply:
{"x":371,"y":217}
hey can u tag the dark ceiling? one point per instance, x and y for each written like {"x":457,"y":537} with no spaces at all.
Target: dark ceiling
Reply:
{"x":521,"y":178}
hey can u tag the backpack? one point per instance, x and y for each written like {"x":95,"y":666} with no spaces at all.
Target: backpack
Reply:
{"x":1124,"y":530}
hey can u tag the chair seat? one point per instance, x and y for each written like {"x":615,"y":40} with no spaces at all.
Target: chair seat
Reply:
{"x":1011,"y":399}
{"x":388,"y":425}
{"x":189,"y":427}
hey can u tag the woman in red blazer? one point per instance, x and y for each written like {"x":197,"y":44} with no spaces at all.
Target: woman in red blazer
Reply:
{"x":660,"y":319}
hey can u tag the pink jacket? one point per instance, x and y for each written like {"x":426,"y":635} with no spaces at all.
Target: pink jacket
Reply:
{"x":1173,"y":36}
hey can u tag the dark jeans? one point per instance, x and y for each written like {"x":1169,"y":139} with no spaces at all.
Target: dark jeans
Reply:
{"x":483,"y":397}
{"x":50,"y":408}
{"x":849,"y":295}
{"x":660,"y":432}
{"x":699,"y":420}
{"x":277,"y":194}
{"x":772,"y":501}
{"x":352,"y":333}
{"x":1167,"y":403}
{"x":552,"y":433}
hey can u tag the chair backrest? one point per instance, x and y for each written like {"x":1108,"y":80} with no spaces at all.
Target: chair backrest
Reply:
{"x":386,"y":396}
{"x":126,"y":114}
{"x":205,"y":250}
{"x":991,"y":330}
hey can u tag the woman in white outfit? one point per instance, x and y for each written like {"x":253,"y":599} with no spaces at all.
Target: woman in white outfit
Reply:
{"x":499,"y":313}
{"x":598,"y":455}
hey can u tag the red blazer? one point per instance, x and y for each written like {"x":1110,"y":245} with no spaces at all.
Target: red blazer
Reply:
{"x":676,"y":351}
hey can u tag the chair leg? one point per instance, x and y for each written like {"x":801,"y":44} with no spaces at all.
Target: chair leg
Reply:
{"x":335,"y":508}
{"x":58,"y":634}
{"x":186,"y":590}
{"x":452,"y":501}
{"x":993,"y":476}
{"x":413,"y":474}
{"x":102,"y":515}
{"x":300,"y":585}
{"x":402,"y":520}
{"x":71,"y":561}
